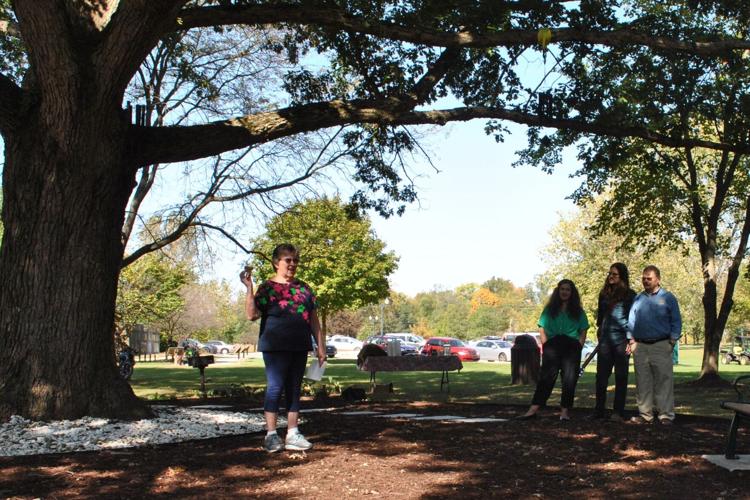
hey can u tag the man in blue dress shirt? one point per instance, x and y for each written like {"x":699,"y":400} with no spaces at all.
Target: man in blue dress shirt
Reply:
{"x":654,"y":327}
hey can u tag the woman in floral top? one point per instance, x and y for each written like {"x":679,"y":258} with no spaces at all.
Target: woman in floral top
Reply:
{"x":286,"y":307}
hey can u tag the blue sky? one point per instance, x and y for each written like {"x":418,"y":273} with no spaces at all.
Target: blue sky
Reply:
{"x":479,"y":217}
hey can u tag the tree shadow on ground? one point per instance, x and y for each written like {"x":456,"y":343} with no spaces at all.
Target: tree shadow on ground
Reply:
{"x":359,"y":456}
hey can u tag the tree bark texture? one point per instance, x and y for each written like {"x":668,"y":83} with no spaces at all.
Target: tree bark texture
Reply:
{"x":324,"y":321}
{"x":711,"y":327}
{"x":67,"y":177}
{"x":66,"y":189}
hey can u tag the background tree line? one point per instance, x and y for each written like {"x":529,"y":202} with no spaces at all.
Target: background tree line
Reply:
{"x":346,"y":263}
{"x":469,"y":311}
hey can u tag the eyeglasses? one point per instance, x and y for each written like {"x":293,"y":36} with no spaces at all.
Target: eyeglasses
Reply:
{"x":289,"y":260}
{"x":613,"y":274}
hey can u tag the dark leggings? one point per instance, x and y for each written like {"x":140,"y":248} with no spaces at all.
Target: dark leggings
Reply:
{"x":284,"y":370}
{"x":612,"y":356}
{"x":560,"y":354}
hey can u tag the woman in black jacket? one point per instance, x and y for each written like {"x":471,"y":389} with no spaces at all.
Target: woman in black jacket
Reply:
{"x":615,"y":301}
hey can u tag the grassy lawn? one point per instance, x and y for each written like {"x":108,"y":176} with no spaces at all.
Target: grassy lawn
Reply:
{"x":478,"y":382}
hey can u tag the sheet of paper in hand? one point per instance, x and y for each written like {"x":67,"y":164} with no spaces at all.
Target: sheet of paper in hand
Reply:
{"x":315,"y":370}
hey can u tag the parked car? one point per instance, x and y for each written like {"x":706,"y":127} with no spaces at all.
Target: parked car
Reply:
{"x":492,"y":350}
{"x":382,"y":342}
{"x":588,"y":347}
{"x":511,"y":337}
{"x":219,"y":347}
{"x":331,"y":350}
{"x":344,"y":343}
{"x":408,"y":339}
{"x":195,"y":344}
{"x":434,"y":347}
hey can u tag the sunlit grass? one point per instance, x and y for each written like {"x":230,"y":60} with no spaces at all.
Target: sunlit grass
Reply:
{"x":478,"y":382}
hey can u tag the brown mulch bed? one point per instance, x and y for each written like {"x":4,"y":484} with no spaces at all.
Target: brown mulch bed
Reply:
{"x":360,"y":456}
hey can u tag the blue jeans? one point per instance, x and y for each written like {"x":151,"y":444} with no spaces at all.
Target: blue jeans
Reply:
{"x":284,"y":370}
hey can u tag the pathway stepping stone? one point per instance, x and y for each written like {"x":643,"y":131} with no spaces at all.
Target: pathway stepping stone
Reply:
{"x":742,"y":463}
{"x":440,"y":417}
{"x":399,"y":415}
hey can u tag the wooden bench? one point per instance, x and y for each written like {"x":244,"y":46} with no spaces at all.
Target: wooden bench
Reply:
{"x":741,"y":409}
{"x":444,"y":364}
{"x":243,"y":349}
{"x":171,"y":352}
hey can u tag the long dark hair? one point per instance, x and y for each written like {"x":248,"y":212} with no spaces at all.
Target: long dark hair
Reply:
{"x":554,"y":305}
{"x":613,"y":294}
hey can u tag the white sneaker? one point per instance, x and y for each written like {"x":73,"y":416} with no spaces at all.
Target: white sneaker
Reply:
{"x":297,"y":442}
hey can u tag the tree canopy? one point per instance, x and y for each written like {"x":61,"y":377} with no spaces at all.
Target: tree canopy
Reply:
{"x":149,"y":291}
{"x":660,"y":193}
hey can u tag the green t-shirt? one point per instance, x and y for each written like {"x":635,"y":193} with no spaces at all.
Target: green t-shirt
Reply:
{"x":563,"y":324}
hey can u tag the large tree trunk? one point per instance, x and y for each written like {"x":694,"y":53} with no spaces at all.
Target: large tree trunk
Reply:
{"x":715,"y":317}
{"x":710,"y":365}
{"x":324,"y":321}
{"x":65,"y":189}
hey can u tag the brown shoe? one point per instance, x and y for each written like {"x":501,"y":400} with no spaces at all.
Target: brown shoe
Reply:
{"x":666,"y":421}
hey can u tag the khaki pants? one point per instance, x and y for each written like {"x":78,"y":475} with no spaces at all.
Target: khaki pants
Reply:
{"x":654,"y":380}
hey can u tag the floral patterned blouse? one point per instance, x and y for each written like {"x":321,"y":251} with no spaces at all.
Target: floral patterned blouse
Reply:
{"x":286,"y":315}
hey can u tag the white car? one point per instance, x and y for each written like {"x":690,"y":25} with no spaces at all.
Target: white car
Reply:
{"x":492,"y":350}
{"x":511,"y":337}
{"x":408,"y":339}
{"x":587,"y":348}
{"x":219,"y":346}
{"x":344,"y":343}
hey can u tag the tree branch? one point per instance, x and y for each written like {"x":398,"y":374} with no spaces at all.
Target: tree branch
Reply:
{"x":211,"y":196}
{"x":175,"y":144}
{"x":10,"y":98}
{"x":734,"y":270}
{"x":339,"y":19}
{"x":421,"y":90}
{"x":696,"y":212}
{"x":133,"y":32}
{"x":233,"y":239}
{"x":146,"y":181}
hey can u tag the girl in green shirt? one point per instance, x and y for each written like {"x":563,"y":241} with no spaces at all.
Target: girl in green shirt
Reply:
{"x":562,"y":326}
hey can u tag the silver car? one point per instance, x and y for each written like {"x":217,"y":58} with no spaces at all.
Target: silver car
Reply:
{"x":219,"y":347}
{"x":492,"y":350}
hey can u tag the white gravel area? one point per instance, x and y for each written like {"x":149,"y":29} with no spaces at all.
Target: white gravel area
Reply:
{"x":171,"y":425}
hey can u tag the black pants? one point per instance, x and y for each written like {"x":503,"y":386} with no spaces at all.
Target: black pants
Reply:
{"x":612,"y":356}
{"x":560,"y":354}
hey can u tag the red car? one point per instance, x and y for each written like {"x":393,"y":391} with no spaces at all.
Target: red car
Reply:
{"x":435,"y":347}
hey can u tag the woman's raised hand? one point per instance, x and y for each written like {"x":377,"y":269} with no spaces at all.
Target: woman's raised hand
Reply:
{"x":246,"y":276}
